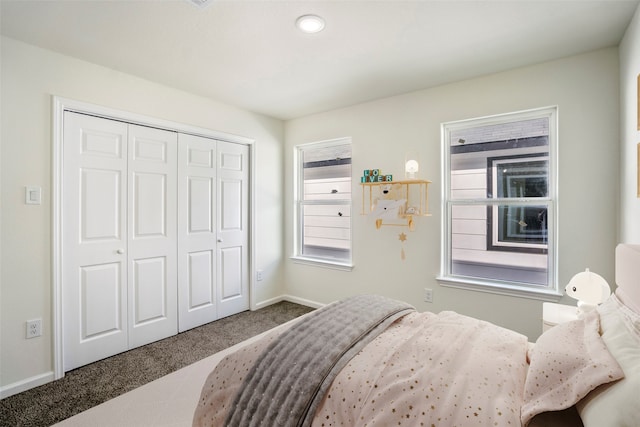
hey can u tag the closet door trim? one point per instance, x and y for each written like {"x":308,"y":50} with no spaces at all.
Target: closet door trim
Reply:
{"x":59,"y":106}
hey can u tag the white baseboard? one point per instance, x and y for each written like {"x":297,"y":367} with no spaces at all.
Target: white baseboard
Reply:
{"x":26,"y":384}
{"x":289,"y":298}
{"x":302,"y":301}
{"x":266,"y":303}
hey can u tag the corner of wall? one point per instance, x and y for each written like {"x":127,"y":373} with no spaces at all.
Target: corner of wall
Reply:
{"x":629,"y":203}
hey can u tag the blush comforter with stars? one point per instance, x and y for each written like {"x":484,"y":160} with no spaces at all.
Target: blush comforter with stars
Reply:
{"x":424,"y":369}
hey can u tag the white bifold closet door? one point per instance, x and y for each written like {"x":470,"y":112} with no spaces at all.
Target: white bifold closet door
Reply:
{"x":154,"y":234}
{"x":212,"y":230}
{"x":119,"y":256}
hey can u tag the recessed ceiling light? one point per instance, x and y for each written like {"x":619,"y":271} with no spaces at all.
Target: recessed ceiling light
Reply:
{"x":310,"y":23}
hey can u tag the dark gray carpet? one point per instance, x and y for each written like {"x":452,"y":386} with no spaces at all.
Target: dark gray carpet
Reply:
{"x":98,"y":382}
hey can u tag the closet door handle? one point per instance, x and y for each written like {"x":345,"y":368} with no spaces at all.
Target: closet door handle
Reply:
{"x":120,"y":251}
{"x":219,"y":240}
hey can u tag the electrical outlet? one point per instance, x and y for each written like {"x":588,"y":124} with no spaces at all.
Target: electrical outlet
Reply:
{"x":259,"y":275}
{"x":428,"y":295}
{"x":34,"y":328}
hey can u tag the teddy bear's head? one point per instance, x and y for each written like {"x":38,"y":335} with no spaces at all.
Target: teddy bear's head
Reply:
{"x":391,"y":191}
{"x":588,"y":288}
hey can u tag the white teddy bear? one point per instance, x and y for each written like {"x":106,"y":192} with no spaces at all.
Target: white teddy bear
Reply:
{"x":590,"y":289}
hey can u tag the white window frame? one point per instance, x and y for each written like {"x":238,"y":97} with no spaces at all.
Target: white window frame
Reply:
{"x":550,"y":292}
{"x":300,"y":203}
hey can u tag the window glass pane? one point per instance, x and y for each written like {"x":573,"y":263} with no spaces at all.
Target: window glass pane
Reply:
{"x":519,"y":177}
{"x":521,"y":225}
{"x":324,"y":219}
{"x":327,"y":227}
{"x":492,"y":242}
{"x":336,"y":188}
{"x":517,"y":228}
{"x":483,"y":165}
{"x":515,"y":130}
{"x":327,"y":155}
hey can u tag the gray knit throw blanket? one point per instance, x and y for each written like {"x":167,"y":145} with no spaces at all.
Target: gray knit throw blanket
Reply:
{"x":288,"y":382}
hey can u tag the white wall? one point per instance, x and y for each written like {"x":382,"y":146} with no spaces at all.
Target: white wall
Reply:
{"x":30,"y":76}
{"x":629,"y":133}
{"x":585,"y":89}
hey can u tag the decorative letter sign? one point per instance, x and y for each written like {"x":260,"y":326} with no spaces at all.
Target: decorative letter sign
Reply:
{"x":373,"y":175}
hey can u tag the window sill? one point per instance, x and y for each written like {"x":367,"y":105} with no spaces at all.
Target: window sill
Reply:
{"x":335,"y":265}
{"x":513,"y":290}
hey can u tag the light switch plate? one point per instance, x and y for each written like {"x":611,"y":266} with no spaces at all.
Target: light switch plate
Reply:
{"x":32,"y":195}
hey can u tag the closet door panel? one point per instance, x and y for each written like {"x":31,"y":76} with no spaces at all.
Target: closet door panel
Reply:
{"x":100,"y":297}
{"x":94,"y":267}
{"x":200,"y":282}
{"x":149,"y":291}
{"x":100,"y":203}
{"x":231,"y":267}
{"x":231,"y":198}
{"x":152,"y":218}
{"x":150,"y":210}
{"x":197,"y":269}
{"x":199,"y":204}
{"x":233,"y":228}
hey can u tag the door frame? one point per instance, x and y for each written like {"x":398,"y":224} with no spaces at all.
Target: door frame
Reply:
{"x":59,"y":106}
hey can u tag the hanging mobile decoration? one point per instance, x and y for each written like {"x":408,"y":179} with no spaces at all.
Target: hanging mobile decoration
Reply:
{"x":402,"y":237}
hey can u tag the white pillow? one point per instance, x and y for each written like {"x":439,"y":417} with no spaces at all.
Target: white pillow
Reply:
{"x":617,"y":404}
{"x":567,"y":362}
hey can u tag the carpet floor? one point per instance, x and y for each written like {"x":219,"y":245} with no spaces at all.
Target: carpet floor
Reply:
{"x":90,"y":385}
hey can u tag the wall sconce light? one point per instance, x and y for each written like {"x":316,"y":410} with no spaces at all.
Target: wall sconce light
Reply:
{"x":411,"y":165}
{"x":590,"y":289}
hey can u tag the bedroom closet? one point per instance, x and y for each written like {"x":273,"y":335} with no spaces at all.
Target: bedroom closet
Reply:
{"x":154,"y":234}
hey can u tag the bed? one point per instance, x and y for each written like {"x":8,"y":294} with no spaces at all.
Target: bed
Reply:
{"x":369,"y":360}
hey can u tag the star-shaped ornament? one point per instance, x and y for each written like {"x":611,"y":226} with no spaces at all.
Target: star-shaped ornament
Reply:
{"x":402,"y":237}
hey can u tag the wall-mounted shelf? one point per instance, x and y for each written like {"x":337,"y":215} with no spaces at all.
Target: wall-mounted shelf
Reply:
{"x":404,"y":201}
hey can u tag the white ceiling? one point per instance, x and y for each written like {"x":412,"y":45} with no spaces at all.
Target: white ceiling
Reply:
{"x":249,"y":53}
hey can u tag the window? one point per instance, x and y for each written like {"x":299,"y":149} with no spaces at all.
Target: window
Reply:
{"x":521,"y":227}
{"x":499,"y":195}
{"x":323,"y":203}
